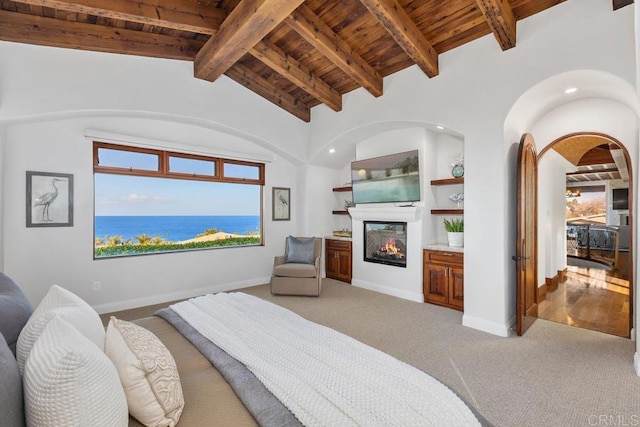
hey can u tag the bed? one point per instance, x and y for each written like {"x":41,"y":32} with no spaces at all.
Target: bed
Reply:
{"x":211,"y":396}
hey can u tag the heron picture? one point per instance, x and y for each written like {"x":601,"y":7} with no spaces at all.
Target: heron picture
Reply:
{"x":49,"y":199}
{"x":281,"y":204}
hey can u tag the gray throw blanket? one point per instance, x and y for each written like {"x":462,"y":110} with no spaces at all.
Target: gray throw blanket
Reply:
{"x":265,"y":408}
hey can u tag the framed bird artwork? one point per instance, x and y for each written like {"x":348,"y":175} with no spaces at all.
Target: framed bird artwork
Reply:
{"x":281,"y":204}
{"x":49,"y":199}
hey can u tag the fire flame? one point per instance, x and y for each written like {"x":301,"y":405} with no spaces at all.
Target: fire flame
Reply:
{"x":390,"y":248}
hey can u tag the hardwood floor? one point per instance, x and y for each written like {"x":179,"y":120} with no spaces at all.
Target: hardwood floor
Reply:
{"x":589,"y":298}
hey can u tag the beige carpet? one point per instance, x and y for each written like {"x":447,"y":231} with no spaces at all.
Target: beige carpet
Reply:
{"x":555,"y":375}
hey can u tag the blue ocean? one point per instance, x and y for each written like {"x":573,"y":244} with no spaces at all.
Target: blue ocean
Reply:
{"x":173,"y":228}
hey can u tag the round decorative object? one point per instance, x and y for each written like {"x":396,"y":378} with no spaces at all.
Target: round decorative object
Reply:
{"x":458,"y":170}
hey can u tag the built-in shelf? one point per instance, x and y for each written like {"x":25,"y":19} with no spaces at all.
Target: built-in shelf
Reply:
{"x":447,"y":211}
{"x":342,"y":189}
{"x":447,"y":181}
{"x":341,"y":212}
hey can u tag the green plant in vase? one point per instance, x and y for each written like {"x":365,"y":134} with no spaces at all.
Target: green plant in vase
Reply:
{"x":455,"y":231}
{"x":455,"y":225}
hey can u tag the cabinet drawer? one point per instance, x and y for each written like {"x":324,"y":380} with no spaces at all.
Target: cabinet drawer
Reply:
{"x":444,"y":257}
{"x":338,"y":244}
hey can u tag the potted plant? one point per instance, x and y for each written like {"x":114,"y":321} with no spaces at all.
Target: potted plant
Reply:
{"x":455,"y":231}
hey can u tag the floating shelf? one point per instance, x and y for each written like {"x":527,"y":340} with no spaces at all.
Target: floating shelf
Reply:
{"x":447,"y":211}
{"x":447,"y":181}
{"x":342,"y":189}
{"x":340,"y":212}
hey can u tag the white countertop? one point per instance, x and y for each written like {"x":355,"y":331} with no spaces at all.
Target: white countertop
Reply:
{"x":443,"y":247}
{"x":332,"y":237}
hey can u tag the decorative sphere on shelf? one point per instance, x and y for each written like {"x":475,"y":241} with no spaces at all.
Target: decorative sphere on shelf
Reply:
{"x":457,"y":170}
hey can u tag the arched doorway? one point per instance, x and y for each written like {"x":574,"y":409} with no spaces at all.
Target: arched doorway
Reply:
{"x":593,"y":290}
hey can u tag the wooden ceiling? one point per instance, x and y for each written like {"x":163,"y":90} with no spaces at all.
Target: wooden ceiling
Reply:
{"x":596,"y":158}
{"x":295,"y":53}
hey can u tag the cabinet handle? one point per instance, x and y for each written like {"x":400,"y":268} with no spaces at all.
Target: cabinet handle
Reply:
{"x":447,"y":254}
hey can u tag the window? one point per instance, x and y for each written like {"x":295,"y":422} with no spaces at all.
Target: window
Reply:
{"x":153,"y":201}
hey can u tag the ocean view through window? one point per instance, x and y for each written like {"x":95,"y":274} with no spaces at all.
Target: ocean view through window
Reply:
{"x":152,"y":201}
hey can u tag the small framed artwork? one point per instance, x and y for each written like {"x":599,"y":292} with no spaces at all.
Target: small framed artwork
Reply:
{"x":49,"y":199}
{"x":281,"y":204}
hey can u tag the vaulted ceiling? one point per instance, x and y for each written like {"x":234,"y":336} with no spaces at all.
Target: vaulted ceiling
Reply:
{"x":295,"y":53}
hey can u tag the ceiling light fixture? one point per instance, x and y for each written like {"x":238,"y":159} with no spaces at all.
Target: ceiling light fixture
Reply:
{"x":440,"y":127}
{"x":571,"y":90}
{"x":332,"y":150}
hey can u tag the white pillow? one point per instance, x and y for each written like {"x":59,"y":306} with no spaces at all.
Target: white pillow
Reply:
{"x":59,"y":302}
{"x":147,"y":372}
{"x":68,"y":381}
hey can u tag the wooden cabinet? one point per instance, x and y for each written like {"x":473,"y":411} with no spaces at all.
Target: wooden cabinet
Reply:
{"x":443,"y":278}
{"x":338,"y":259}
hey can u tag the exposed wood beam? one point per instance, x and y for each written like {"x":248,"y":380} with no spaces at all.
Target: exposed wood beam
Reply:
{"x":248,"y":23}
{"x":593,"y":171}
{"x":499,"y":16}
{"x":617,"y":4}
{"x":405,"y":32}
{"x":310,"y":27}
{"x":23,"y":28}
{"x":254,"y":82}
{"x":297,"y":73}
{"x":183,"y":15}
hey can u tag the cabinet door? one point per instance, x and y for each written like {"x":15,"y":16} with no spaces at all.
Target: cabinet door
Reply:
{"x":456,"y":287}
{"x":435,"y":283}
{"x":332,"y":265}
{"x":344,"y":266}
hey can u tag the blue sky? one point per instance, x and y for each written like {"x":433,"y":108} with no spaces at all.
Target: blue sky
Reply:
{"x":132,"y":195}
{"x":129,"y":195}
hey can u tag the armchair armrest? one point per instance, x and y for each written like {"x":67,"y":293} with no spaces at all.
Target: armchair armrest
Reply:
{"x":280,"y":259}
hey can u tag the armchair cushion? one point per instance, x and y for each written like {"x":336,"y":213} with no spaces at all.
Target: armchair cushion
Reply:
{"x":301,"y":250}
{"x":295,"y":270}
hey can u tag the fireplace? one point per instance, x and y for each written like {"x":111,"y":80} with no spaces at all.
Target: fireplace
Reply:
{"x":385,"y":242}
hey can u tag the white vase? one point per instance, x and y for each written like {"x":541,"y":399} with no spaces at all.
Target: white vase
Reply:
{"x":455,"y":238}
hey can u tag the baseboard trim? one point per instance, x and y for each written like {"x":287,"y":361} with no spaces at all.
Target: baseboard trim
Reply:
{"x":542,"y":292}
{"x":484,"y":325}
{"x":408,"y":295}
{"x":636,"y":363}
{"x":553,"y":282}
{"x":172,"y":296}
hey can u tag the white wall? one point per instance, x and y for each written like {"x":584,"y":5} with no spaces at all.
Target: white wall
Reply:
{"x":39,"y":257}
{"x":2,"y":214}
{"x":552,"y":205}
{"x":477,"y":86}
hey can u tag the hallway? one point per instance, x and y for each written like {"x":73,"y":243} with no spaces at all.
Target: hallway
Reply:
{"x":589,"y":298}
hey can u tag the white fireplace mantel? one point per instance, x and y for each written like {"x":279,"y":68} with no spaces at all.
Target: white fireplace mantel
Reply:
{"x":383,"y":213}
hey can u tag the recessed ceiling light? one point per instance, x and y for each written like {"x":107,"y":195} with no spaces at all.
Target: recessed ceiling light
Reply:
{"x":571,"y":90}
{"x":440,"y":127}
{"x":332,"y":150}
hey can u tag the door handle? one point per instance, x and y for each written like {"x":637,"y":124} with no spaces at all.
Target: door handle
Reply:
{"x":523,"y":257}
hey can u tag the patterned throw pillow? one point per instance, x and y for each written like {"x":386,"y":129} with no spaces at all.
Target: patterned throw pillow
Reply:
{"x":301,"y":250}
{"x":147,"y":372}
{"x":59,"y":302}
{"x":69,"y":381}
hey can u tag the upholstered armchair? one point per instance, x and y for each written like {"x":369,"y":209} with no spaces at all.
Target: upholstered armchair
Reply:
{"x":297,"y":272}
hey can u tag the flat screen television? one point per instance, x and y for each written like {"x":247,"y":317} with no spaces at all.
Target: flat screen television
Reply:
{"x":388,"y":179}
{"x":620,"y":199}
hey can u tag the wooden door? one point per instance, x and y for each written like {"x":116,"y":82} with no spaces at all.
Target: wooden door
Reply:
{"x":344,"y":265}
{"x":436,"y":283}
{"x":527,"y":235}
{"x":332,"y":263}
{"x":456,"y":287}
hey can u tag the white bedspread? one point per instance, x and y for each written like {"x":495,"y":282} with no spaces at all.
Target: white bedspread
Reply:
{"x":322,"y":376}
